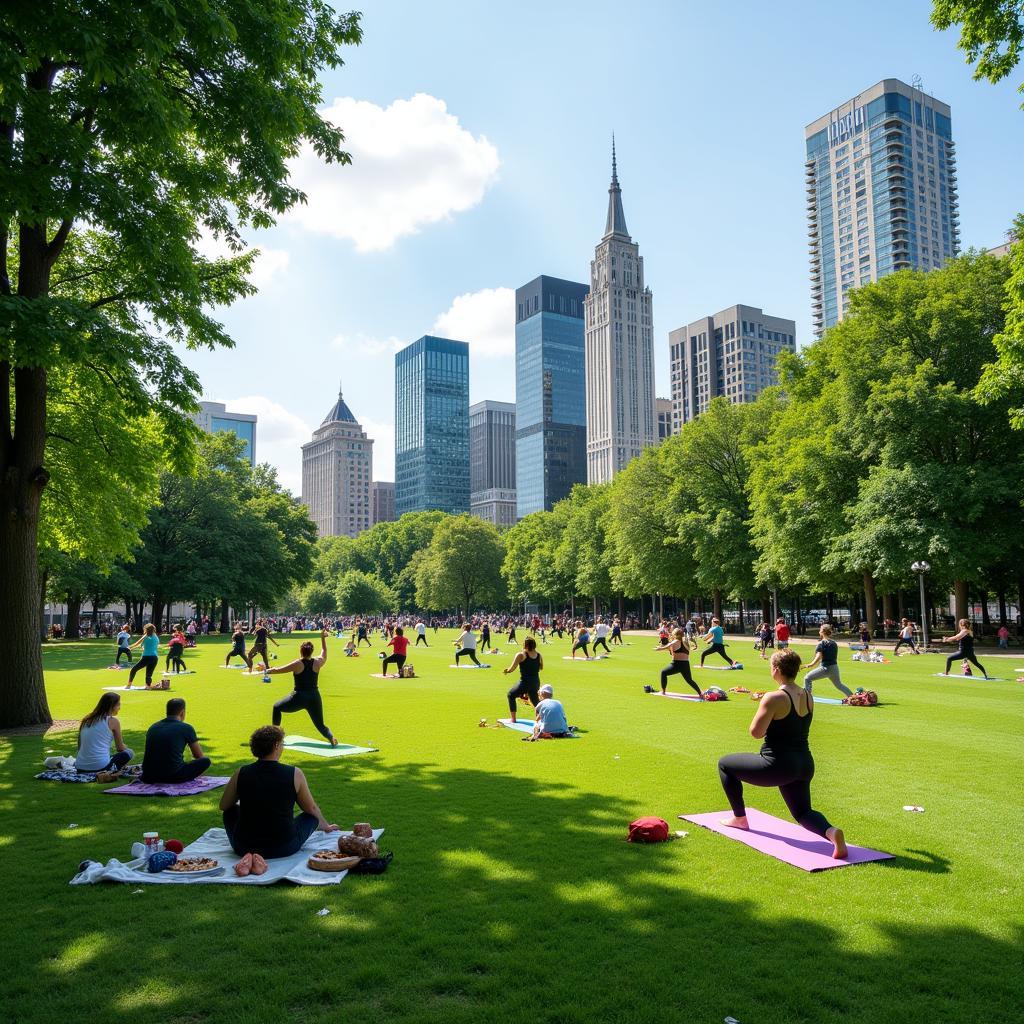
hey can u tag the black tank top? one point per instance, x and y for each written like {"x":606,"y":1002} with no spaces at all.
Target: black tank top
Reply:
{"x":261,"y":636}
{"x":306,"y":679}
{"x":238,"y":638}
{"x":266,"y":796}
{"x":529,"y":670}
{"x":967,"y":644}
{"x":786,"y":736}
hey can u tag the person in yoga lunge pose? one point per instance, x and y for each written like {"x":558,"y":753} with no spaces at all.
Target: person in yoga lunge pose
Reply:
{"x":175,"y":652}
{"x":827,"y":653}
{"x":258,"y":802}
{"x":98,"y":730}
{"x":306,"y":695}
{"x":421,"y":634}
{"x":582,"y":642}
{"x":530,"y":664}
{"x":124,"y":639}
{"x":467,"y":645}
{"x":601,"y":631}
{"x":150,"y":642}
{"x":259,"y":644}
{"x":399,"y":645}
{"x":680,"y":649}
{"x":616,"y":631}
{"x":485,"y":635}
{"x":965,"y":650}
{"x":237,"y":645}
{"x":716,"y":636}
{"x":783,"y":721}
{"x":906,"y":637}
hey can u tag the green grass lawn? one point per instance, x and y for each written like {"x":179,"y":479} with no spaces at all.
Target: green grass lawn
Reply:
{"x":512,"y":896}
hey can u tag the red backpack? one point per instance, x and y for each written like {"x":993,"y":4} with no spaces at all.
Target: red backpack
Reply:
{"x":648,"y":830}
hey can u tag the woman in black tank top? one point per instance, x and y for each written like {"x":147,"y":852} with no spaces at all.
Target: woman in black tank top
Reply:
{"x":258,"y":805}
{"x":783,"y":721}
{"x":965,"y":652}
{"x":530,"y":663}
{"x":306,"y":695}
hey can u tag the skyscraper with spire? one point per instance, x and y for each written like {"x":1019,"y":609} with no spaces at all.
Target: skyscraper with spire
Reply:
{"x":337,"y":468}
{"x":619,"y":342}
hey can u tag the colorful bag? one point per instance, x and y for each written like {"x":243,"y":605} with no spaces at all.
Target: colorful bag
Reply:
{"x":648,"y":830}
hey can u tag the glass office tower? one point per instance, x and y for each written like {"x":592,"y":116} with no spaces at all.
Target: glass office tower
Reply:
{"x":214,"y":417}
{"x":551,"y":414}
{"x":432,"y":426}
{"x":881,"y":192}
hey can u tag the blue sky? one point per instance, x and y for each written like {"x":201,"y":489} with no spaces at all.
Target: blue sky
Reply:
{"x":480,"y":134}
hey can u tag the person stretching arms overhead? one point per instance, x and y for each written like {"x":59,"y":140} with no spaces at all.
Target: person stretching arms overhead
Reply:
{"x":306,"y":695}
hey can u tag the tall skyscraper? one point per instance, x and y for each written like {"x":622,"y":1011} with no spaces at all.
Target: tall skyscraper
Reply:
{"x":881,"y":192}
{"x":213,"y":417}
{"x":382,"y":502}
{"x":732,"y":353}
{"x":432,"y":426}
{"x":663,"y":409}
{"x":337,"y":467}
{"x":620,"y":348}
{"x":551,"y":396}
{"x":492,"y":462}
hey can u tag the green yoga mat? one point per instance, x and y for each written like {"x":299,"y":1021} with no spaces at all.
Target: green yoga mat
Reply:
{"x":321,"y":748}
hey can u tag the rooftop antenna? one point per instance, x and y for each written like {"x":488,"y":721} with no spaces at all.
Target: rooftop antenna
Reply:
{"x":917,"y":83}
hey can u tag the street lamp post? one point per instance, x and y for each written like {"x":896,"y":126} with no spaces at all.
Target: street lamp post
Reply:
{"x":922,"y":568}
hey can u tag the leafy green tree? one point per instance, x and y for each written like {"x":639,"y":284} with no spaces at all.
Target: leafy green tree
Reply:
{"x":991,"y":33}
{"x":150,"y":123}
{"x":360,"y":593}
{"x":530,"y":568}
{"x":462,"y":566}
{"x":1003,"y":378}
{"x":317,"y":598}
{"x":583,"y":555}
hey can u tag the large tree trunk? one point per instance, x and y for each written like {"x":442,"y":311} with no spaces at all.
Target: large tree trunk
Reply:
{"x":960,"y":600}
{"x":1001,"y":598}
{"x":225,"y":626}
{"x":870,"y":603}
{"x":986,"y":622}
{"x":72,"y":628}
{"x":158,"y":611}
{"x":888,"y":611}
{"x":717,"y":601}
{"x":828,"y":606}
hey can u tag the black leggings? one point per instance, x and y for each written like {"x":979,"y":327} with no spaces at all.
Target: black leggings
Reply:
{"x":793,"y":777}
{"x":964,"y":656}
{"x":604,"y":643}
{"x":420,"y":637}
{"x":174,"y":654}
{"x":235,"y":652}
{"x":363,"y":639}
{"x":715,"y":649}
{"x":392,"y":659}
{"x":581,"y":647}
{"x":302,"y":828}
{"x":126,"y":652}
{"x":304,"y":700}
{"x":524,"y":689}
{"x":186,"y":773}
{"x":682,"y":667}
{"x":901,"y":642}
{"x":467,"y":652}
{"x":148,"y":662}
{"x":258,"y":649}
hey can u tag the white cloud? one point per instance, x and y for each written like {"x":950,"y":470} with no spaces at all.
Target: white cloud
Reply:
{"x":270,"y":263}
{"x":413,"y":164}
{"x":365,"y":344}
{"x":383,"y":434}
{"x":486,"y":319}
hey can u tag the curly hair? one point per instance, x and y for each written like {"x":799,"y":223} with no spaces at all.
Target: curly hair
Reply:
{"x":263,"y":741}
{"x":787,"y":662}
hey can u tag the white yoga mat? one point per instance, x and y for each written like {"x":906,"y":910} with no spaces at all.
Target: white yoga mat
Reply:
{"x":138,"y":689}
{"x":323,"y":748}
{"x":569,"y":657}
{"x":951,"y":675}
{"x":470,"y":666}
{"x":214,"y":843}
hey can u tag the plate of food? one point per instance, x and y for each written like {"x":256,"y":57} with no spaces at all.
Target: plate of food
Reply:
{"x":331,"y":860}
{"x":195,"y":867}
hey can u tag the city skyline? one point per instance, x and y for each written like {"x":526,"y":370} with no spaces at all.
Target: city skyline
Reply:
{"x":512,"y":203}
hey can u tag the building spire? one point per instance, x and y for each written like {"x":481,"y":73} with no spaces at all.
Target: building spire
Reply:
{"x":615,"y":224}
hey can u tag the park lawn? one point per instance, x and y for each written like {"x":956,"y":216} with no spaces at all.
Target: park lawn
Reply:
{"x":512,"y":896}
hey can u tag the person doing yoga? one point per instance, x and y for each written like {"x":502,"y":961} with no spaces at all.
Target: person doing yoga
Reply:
{"x":467,"y":645}
{"x":601,"y":631}
{"x":965,"y":650}
{"x":827,"y":653}
{"x":716,"y":636}
{"x":581,"y":642}
{"x":530,"y":662}
{"x":175,"y":651}
{"x":98,"y":730}
{"x":399,"y":645}
{"x":306,"y":695}
{"x":906,"y":637}
{"x":616,"y":631}
{"x":124,"y":639}
{"x":680,"y":649}
{"x":421,"y":634}
{"x":485,"y":635}
{"x":150,"y":645}
{"x":783,"y":722}
{"x":259,"y":644}
{"x":258,"y":805}
{"x":163,"y":759}
{"x":237,"y":645}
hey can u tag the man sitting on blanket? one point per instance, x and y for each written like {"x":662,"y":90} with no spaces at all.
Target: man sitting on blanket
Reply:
{"x":163,"y":759}
{"x":258,"y":803}
{"x":549,"y":721}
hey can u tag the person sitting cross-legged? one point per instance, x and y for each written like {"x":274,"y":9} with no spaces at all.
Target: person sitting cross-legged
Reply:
{"x":163,"y":759}
{"x":258,"y":802}
{"x":98,"y":730}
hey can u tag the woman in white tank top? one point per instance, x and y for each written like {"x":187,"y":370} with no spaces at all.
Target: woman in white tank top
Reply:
{"x":95,"y":733}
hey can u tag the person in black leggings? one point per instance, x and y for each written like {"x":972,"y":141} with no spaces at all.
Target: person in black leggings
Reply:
{"x":259,"y":645}
{"x":680,"y":649}
{"x":306,"y":695}
{"x":582,"y":642}
{"x":783,"y":721}
{"x":965,"y":652}
{"x":530,"y":663}
{"x":237,"y":645}
{"x":150,"y":642}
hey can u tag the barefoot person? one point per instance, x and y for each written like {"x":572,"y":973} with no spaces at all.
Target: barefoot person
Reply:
{"x":306,"y":695}
{"x":906,"y":637}
{"x":466,"y":645}
{"x":163,"y":759}
{"x":679,"y":647}
{"x":827,"y":653}
{"x":150,"y":645}
{"x":237,"y":645}
{"x":530,"y":663}
{"x":98,"y":730}
{"x":965,"y":650}
{"x":258,"y":805}
{"x":783,"y":721}
{"x":715,"y":636}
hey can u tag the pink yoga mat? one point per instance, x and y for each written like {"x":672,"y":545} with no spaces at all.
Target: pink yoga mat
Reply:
{"x":785,"y":841}
{"x":200,"y":785}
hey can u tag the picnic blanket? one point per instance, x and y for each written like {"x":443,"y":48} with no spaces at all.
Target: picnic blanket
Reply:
{"x":74,"y":775}
{"x":214,"y":843}
{"x":191,"y":788}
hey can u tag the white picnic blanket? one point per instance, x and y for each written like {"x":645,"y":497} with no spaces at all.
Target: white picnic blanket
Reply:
{"x":214,"y":843}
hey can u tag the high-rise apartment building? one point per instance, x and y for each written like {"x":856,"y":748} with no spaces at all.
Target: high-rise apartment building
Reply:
{"x":551,"y":396}
{"x":731,"y":354}
{"x":213,"y":417}
{"x":620,"y":348}
{"x":382,"y":502}
{"x":492,"y":462}
{"x":337,"y":468}
{"x":663,"y":410}
{"x":881,"y":192}
{"x":432,"y":426}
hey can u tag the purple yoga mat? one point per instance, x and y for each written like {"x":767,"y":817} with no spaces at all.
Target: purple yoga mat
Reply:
{"x":679,"y":696}
{"x":200,"y":785}
{"x":785,"y":841}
